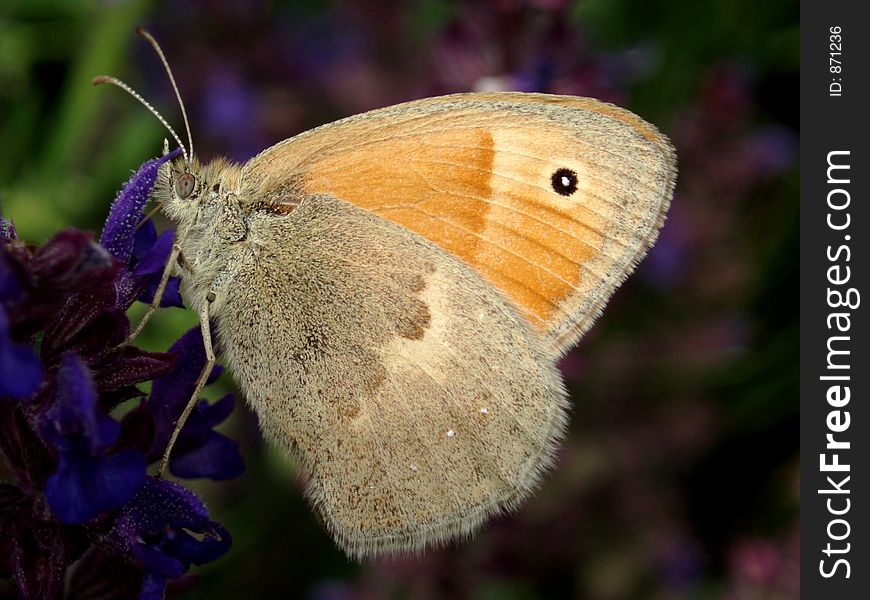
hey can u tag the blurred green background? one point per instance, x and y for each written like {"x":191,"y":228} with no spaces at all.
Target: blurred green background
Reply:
{"x":679,"y":478}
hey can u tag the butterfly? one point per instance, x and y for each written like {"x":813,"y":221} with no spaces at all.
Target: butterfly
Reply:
{"x":392,"y":292}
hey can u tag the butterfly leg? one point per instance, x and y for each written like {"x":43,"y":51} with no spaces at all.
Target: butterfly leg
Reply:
{"x":205,"y":329}
{"x":174,"y":256}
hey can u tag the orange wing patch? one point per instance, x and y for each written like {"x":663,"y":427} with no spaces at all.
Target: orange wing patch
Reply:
{"x":473,"y":199}
{"x":437,"y":185}
{"x":472,"y":174}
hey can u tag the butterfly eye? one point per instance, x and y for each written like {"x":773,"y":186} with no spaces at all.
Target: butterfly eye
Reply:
{"x":564,"y":182}
{"x":184,"y":185}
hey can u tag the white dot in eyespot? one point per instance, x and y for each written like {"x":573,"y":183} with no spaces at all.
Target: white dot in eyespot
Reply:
{"x":414,"y":468}
{"x":484,"y":410}
{"x":566,"y":181}
{"x":450,"y":433}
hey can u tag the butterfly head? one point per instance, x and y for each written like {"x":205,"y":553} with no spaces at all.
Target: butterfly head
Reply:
{"x":180,"y":185}
{"x":186,"y":188}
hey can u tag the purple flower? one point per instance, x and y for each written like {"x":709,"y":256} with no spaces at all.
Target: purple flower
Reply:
{"x":79,"y":506}
{"x":126,"y":211}
{"x":154,"y":528}
{"x":87,"y":482}
{"x":200,"y":451}
{"x":148,"y":260}
{"x":20,"y":369}
{"x":139,"y":248}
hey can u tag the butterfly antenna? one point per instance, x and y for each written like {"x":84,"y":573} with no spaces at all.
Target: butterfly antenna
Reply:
{"x":117,"y":82}
{"x":159,"y":52}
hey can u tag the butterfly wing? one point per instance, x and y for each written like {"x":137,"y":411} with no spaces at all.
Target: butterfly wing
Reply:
{"x":412,"y":394}
{"x":551,"y":199}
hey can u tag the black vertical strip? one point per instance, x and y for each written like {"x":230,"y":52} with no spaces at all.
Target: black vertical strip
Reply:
{"x":835,"y":260}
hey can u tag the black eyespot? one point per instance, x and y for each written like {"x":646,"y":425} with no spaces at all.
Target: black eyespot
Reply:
{"x":564,"y":182}
{"x":184,"y":185}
